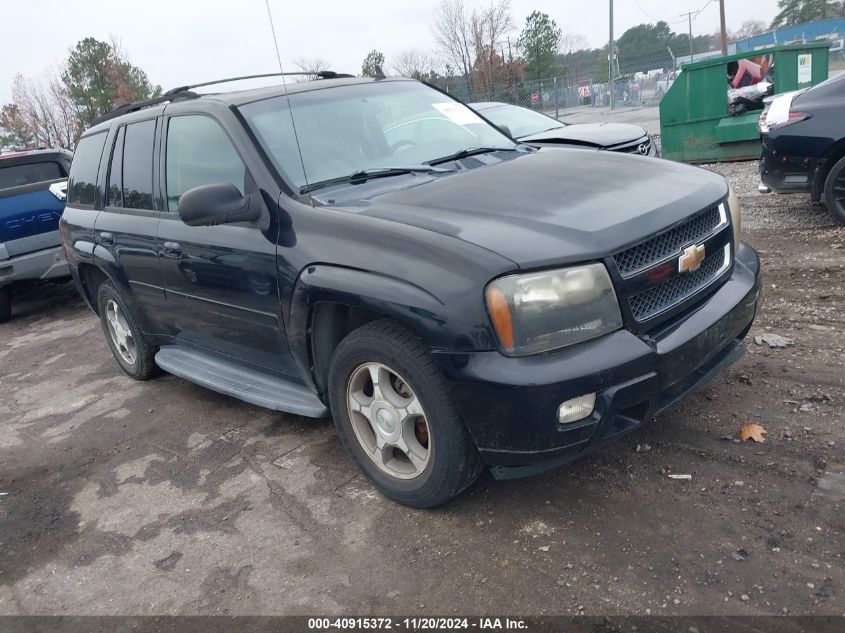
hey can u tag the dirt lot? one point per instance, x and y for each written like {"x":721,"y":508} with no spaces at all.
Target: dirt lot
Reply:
{"x":162,"y":497}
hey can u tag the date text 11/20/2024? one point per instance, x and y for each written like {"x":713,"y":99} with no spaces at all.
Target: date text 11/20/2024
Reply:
{"x":418,"y":624}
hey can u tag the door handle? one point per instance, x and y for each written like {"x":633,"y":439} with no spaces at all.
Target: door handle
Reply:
{"x":106,"y":238}
{"x":172,"y":249}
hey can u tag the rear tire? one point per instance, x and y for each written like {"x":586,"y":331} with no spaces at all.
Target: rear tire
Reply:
{"x":834,"y":190}
{"x":396,"y":418}
{"x":5,"y":304}
{"x":131,"y":350}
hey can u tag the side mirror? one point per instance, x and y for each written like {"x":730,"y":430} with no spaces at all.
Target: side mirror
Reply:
{"x":218,"y":203}
{"x":506,"y":130}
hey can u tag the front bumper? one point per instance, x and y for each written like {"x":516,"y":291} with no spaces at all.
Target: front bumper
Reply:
{"x":510,"y":404}
{"x":41,"y":265}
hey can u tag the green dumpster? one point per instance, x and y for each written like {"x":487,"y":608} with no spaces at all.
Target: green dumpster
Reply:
{"x":695,"y":126}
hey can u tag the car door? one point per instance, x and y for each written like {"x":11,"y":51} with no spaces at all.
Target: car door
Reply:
{"x":220,"y":281}
{"x":126,"y":229}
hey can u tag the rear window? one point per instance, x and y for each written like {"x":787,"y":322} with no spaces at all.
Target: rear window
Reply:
{"x":82,"y":183}
{"x":20,"y":175}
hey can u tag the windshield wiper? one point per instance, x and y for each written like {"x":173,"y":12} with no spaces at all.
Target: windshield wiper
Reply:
{"x":470,"y":151}
{"x":363,"y":175}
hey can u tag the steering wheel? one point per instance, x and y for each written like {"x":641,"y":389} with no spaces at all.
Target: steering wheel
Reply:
{"x":401,"y":143}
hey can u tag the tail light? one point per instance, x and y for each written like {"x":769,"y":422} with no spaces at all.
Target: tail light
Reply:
{"x":794,"y":117}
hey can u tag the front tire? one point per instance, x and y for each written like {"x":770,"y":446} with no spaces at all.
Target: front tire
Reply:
{"x":834,"y":190}
{"x":395,"y":417}
{"x":131,"y":350}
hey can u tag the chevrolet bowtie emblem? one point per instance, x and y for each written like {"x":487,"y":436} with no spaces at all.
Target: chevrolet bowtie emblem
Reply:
{"x":691,"y":259}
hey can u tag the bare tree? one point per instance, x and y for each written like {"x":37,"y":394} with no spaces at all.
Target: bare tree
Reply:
{"x":571,"y":42}
{"x":414,"y":63}
{"x":41,"y":116}
{"x":489,"y":25}
{"x":310,"y":65}
{"x":750,"y":28}
{"x":452,"y":32}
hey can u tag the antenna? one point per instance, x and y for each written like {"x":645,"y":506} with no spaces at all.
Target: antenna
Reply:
{"x":275,"y":40}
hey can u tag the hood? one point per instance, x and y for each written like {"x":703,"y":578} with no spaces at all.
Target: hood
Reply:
{"x":590,"y":134}
{"x":546,"y":207}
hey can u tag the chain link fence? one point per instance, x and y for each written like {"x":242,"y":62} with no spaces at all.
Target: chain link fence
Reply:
{"x":637,"y":83}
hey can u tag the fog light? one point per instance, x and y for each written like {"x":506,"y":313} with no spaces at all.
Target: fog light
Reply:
{"x":576,"y":409}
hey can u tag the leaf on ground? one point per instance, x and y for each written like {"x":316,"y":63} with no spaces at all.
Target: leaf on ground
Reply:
{"x":751,"y":431}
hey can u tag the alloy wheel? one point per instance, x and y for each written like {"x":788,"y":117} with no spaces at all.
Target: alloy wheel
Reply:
{"x":389,"y":421}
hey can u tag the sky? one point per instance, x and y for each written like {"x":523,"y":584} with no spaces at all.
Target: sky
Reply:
{"x":180,"y":42}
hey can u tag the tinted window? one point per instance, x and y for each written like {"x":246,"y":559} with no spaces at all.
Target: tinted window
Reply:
{"x":82,"y":184}
{"x":115,"y":185}
{"x":19,"y":175}
{"x":199,"y":153}
{"x":138,"y":165}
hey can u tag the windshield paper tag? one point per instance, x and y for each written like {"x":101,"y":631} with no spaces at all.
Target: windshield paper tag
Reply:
{"x":458,"y":113}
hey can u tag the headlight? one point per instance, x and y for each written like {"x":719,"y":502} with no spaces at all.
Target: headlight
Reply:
{"x":736,"y":216}
{"x":538,"y":312}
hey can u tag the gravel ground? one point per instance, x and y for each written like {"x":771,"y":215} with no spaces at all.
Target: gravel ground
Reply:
{"x":771,"y":211}
{"x":164,"y":498}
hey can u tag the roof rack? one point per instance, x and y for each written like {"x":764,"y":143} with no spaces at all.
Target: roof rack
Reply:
{"x":184,"y":92}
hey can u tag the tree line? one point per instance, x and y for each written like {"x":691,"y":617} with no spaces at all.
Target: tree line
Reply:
{"x":478,"y":48}
{"x":54,"y":110}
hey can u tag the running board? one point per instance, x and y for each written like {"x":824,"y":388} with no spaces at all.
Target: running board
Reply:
{"x":240,"y":382}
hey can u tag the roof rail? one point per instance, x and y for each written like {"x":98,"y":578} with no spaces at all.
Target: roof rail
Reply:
{"x":184,"y":92}
{"x":322,"y":74}
{"x":126,"y":108}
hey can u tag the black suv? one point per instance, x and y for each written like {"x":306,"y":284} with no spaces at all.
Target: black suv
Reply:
{"x":376,"y":251}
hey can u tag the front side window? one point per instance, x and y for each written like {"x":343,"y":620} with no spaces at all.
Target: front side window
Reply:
{"x":199,"y":153}
{"x":345,"y":129}
{"x":82,"y":181}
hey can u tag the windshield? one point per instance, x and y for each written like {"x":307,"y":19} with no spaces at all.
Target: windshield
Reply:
{"x":347,"y":129}
{"x":520,"y":121}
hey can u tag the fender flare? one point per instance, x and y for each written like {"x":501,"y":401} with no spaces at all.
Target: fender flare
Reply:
{"x":410,"y":305}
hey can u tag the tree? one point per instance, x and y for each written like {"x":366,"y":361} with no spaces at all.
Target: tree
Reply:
{"x":539,"y":43}
{"x":310,"y":65}
{"x":488,"y":27}
{"x":99,"y":77}
{"x":750,"y":28}
{"x":39,"y":115}
{"x":572,"y":42}
{"x":794,"y":12}
{"x":471,"y":42}
{"x":373,"y":64}
{"x":416,"y":64}
{"x":452,"y":32}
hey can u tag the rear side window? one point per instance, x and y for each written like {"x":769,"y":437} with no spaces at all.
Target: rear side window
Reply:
{"x":20,"y":175}
{"x":138,"y":165}
{"x":82,"y":184}
{"x":199,"y":153}
{"x":115,"y":186}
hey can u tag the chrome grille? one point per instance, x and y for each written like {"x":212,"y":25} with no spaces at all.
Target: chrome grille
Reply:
{"x":660,"y":298}
{"x":668,"y":243}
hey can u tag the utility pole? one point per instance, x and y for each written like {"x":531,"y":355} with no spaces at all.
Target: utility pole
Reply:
{"x":722,"y":25}
{"x":689,"y":17}
{"x":610,"y":60}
